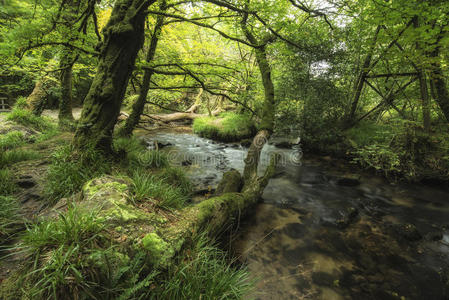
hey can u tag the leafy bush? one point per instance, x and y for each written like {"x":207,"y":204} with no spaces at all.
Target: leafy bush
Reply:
{"x":27,"y":118}
{"x":70,"y":170}
{"x":150,"y":187}
{"x":228,"y":127}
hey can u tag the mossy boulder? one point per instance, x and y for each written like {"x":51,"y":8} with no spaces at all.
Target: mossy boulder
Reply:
{"x":110,"y":195}
{"x":228,"y":127}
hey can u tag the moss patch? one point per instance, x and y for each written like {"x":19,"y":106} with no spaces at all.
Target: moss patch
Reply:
{"x":159,"y":250}
{"x":228,"y":127}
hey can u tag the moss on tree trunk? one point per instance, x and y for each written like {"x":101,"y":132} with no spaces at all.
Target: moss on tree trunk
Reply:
{"x":65,"y":104}
{"x":123,"y":37}
{"x":139,"y":105}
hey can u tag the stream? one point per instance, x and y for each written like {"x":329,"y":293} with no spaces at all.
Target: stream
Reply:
{"x":325,"y":231}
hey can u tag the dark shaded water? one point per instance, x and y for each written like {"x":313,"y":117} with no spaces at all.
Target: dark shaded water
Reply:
{"x":319,"y":235}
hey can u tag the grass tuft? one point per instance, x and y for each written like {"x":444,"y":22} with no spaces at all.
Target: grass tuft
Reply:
{"x":9,"y":217}
{"x":204,"y":273}
{"x":150,"y":187}
{"x":68,"y":171}
{"x":27,"y":118}
{"x":7,"y":185}
{"x":13,"y":156}
{"x":11,"y":140}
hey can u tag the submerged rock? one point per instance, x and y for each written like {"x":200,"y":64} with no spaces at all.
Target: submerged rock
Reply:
{"x":407,"y":231}
{"x":348,"y":181}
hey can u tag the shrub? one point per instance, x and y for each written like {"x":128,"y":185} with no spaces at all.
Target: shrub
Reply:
{"x":228,"y":127}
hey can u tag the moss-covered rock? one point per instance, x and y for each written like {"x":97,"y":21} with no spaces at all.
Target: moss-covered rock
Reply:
{"x":228,"y":127}
{"x":109,"y":195}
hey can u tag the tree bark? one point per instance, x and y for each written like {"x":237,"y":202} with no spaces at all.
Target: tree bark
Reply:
{"x":139,"y":104}
{"x":361,"y":78}
{"x":438,"y":83}
{"x":65,"y":105}
{"x":123,"y":37}
{"x":423,"y":86}
{"x":36,"y":100}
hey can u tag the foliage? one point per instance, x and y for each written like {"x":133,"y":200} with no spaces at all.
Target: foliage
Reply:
{"x":7,"y":184}
{"x":74,"y":258}
{"x":148,"y":187}
{"x":27,"y":118}
{"x":203,"y":273}
{"x":228,"y":127}
{"x":17,"y":155}
{"x":177,"y":178}
{"x":69,"y":171}
{"x":9,"y":216}
{"x":12,"y":139}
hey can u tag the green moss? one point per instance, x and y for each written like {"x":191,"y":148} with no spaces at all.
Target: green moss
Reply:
{"x":159,"y":249}
{"x":228,"y":127}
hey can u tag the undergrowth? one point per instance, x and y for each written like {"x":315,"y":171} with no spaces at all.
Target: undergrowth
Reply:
{"x":27,"y":118}
{"x":69,"y":170}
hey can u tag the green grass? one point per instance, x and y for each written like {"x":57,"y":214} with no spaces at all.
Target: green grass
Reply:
{"x":71,"y":257}
{"x":203,"y":273}
{"x":9,"y":217}
{"x":11,"y":140}
{"x":67,"y":172}
{"x":177,"y":178}
{"x":27,"y":118}
{"x":17,"y":155}
{"x":147,"y":187}
{"x":151,"y":159}
{"x":228,"y":127}
{"x":7,"y":185}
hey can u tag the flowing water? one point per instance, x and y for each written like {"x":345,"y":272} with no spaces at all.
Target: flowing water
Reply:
{"x":319,"y":233}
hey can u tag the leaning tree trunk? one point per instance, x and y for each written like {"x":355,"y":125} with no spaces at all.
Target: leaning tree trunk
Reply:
{"x":423,"y":86}
{"x":139,"y":104}
{"x":65,"y":104}
{"x":438,"y":83}
{"x":36,"y":100}
{"x":123,"y":37}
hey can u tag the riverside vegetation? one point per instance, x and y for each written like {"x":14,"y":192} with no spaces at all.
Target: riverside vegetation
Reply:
{"x":90,"y":210}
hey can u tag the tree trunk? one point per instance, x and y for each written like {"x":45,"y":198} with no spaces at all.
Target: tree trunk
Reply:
{"x":36,"y":100}
{"x":361,"y":78}
{"x":423,"y":85}
{"x":139,"y":105}
{"x":267,"y":116}
{"x":437,"y":81}
{"x":65,"y":105}
{"x":123,"y":37}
